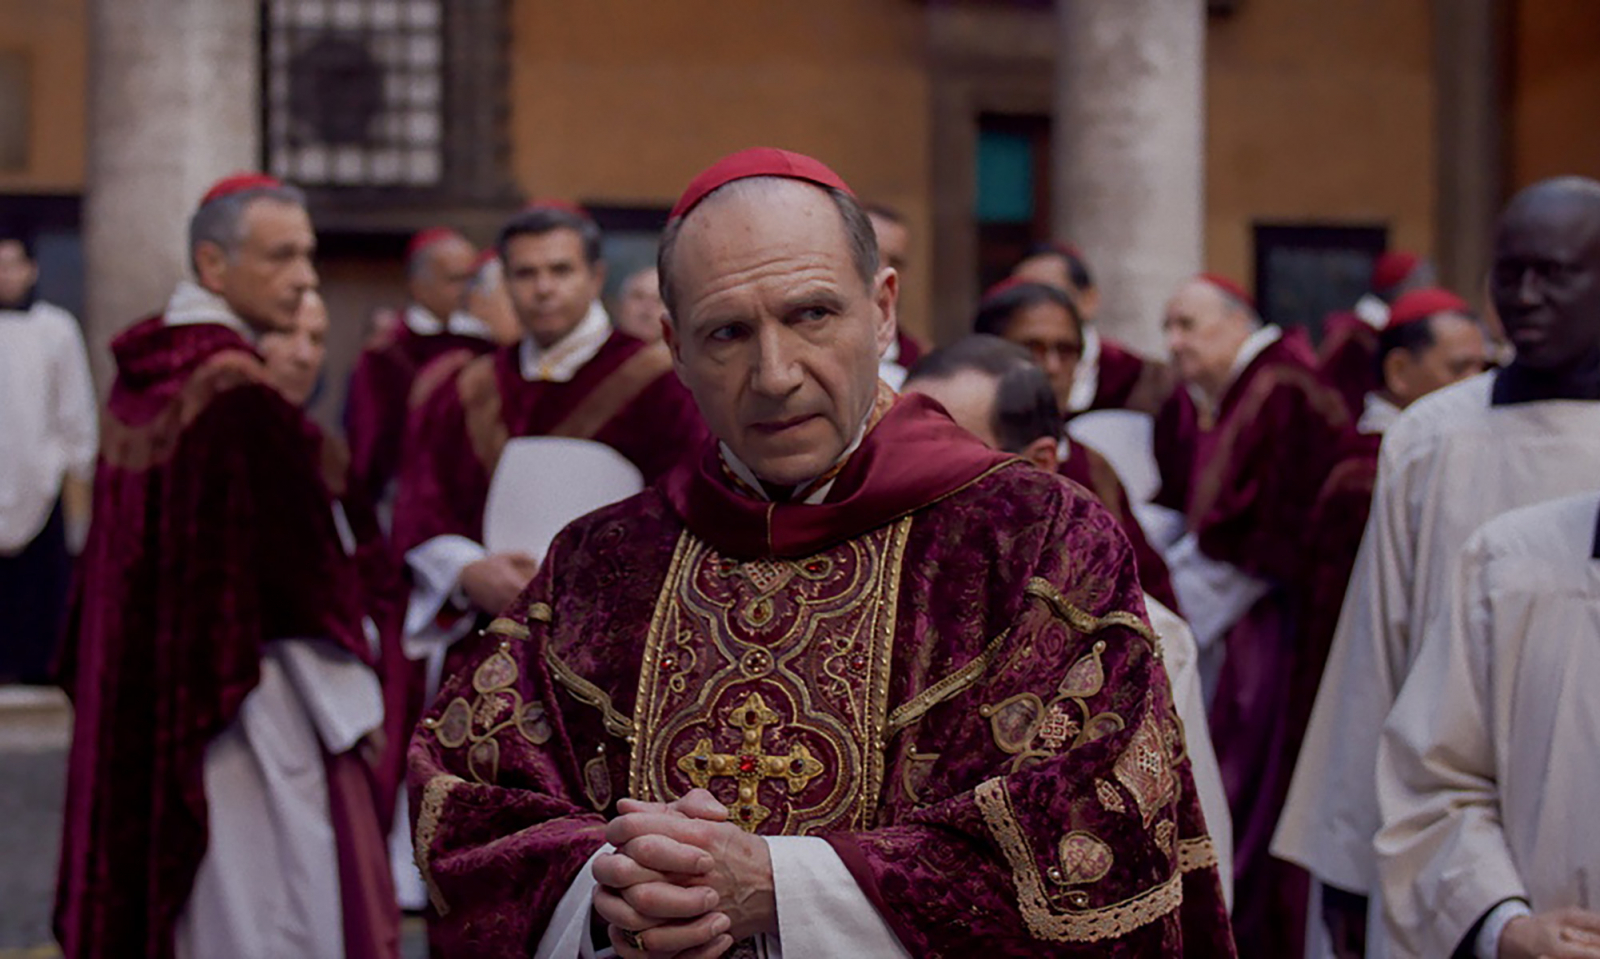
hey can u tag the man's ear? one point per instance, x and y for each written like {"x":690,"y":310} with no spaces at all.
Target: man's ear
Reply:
{"x":1397,"y":369}
{"x":1043,"y":453}
{"x":669,"y":336}
{"x":1088,"y":303}
{"x":210,"y":265}
{"x":886,"y":299}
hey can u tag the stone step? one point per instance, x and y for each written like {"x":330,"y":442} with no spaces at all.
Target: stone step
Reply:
{"x":34,"y":719}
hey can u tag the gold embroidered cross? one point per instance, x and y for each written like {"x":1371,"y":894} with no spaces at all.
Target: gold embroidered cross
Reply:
{"x":750,"y":765}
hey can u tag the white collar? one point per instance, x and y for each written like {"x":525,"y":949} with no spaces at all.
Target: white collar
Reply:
{"x":1377,"y":414}
{"x":561,"y":361}
{"x":192,"y":304}
{"x":812,"y":497}
{"x":1253,"y":346}
{"x":424,"y":323}
{"x":1372,"y":311}
{"x":1086,"y":377}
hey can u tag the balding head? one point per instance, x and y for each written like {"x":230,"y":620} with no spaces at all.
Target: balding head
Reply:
{"x":779,"y":315}
{"x":1546,"y":278}
{"x":1206,"y":326}
{"x":437,"y":274}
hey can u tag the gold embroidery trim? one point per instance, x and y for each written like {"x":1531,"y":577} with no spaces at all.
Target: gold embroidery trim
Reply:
{"x":434,"y":795}
{"x":590,"y":695}
{"x":1089,"y":925}
{"x":1195,"y":854}
{"x":653,"y":642}
{"x":947,"y":688}
{"x":508,"y":628}
{"x":1082,"y":620}
{"x":541,"y":613}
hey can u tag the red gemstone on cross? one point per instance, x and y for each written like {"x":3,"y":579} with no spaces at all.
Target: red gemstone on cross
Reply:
{"x":747,"y":764}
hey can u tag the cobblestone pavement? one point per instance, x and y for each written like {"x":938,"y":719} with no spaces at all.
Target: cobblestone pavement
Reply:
{"x":35,"y":726}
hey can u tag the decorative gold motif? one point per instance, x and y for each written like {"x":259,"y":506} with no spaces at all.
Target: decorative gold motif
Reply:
{"x":590,"y":695}
{"x":541,"y":613}
{"x":1165,"y":832}
{"x":498,"y":706}
{"x":1109,"y":797}
{"x":434,"y":794}
{"x":808,"y":639}
{"x":914,"y":769}
{"x":1027,"y":727}
{"x":1085,"y":858}
{"x":1198,"y":853}
{"x":1082,"y":620}
{"x":597,"y":780}
{"x":751,"y":765}
{"x":1043,"y":921}
{"x":1146,"y":769}
{"x":509,"y":628}
{"x":947,"y":688}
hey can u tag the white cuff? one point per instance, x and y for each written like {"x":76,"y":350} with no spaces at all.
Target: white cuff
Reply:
{"x":341,"y":694}
{"x":821,"y":911}
{"x":435,"y":575}
{"x":1214,"y":594}
{"x":1487,"y":945}
{"x":567,"y":936}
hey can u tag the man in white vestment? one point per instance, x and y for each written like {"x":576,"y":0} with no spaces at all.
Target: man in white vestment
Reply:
{"x":47,"y":447}
{"x":1453,"y":460}
{"x":1488,"y":850}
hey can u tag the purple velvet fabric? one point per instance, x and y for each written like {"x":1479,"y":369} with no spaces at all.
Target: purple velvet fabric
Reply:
{"x":379,"y":399}
{"x":966,"y":690}
{"x":1349,"y":359}
{"x":1086,"y":467}
{"x":213,"y":533}
{"x":1128,"y":381}
{"x":451,"y":446}
{"x":1256,"y":474}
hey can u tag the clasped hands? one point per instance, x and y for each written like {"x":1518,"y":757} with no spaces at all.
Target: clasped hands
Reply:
{"x":683,"y":882}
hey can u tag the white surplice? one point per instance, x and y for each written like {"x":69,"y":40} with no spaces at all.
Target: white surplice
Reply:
{"x":1451,"y":462}
{"x":47,"y":430}
{"x":1486,"y":773}
{"x":268,"y":885}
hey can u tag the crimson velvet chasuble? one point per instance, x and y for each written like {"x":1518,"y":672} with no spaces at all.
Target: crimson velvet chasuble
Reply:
{"x":214,"y":533}
{"x":944,"y":669}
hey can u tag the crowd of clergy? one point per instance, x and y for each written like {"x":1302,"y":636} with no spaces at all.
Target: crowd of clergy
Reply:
{"x":1025,"y":645}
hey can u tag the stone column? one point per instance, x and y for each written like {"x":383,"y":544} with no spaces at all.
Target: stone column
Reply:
{"x":173,"y":105}
{"x":1129,"y":152}
{"x":1471,"y":40}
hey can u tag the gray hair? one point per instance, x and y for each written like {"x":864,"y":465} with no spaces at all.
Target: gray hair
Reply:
{"x":221,"y":222}
{"x":863,"y":239}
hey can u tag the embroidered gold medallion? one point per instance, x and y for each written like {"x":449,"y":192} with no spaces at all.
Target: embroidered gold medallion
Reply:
{"x":766,"y":682}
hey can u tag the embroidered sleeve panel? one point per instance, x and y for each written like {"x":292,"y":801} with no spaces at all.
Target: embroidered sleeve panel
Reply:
{"x":947,"y":688}
{"x":434,"y":794}
{"x":1065,"y":916}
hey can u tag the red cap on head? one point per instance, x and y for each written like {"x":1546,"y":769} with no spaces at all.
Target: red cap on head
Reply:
{"x":1009,"y":283}
{"x":1390,"y":269}
{"x":756,"y":161}
{"x":426,"y":238}
{"x":239,"y":183}
{"x":1417,"y":305}
{"x":1229,"y":287}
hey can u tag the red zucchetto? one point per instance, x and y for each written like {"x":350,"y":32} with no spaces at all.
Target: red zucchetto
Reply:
{"x":754,"y":162}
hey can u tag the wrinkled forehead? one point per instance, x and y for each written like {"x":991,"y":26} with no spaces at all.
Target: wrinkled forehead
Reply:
{"x":1197,"y":299}
{"x":754,"y":223}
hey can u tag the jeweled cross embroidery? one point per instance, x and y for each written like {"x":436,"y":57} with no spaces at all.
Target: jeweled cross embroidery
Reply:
{"x":750,"y":765}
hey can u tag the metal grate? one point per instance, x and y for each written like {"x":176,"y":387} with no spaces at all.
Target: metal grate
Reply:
{"x":355,"y":92}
